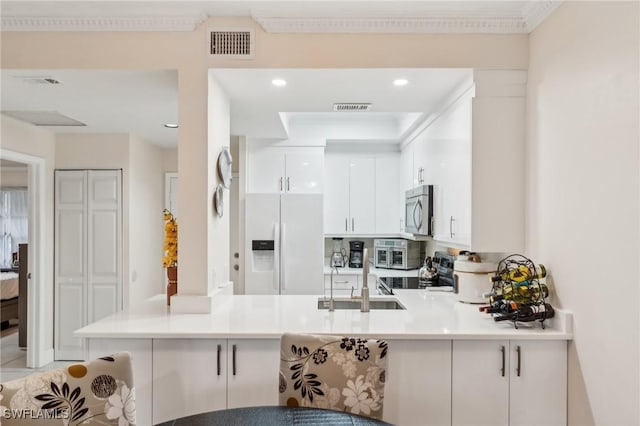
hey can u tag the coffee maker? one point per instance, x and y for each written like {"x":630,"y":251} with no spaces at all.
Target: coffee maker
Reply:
{"x":355,"y":259}
{"x":339,"y":256}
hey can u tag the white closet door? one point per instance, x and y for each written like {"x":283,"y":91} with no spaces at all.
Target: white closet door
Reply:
{"x":88,"y":252}
{"x":70,"y":262}
{"x":104,"y":242}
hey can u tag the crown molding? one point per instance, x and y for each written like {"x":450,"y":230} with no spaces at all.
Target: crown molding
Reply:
{"x":537,"y":11}
{"x":532,"y":14}
{"x":392,"y":25}
{"x":155,"y":23}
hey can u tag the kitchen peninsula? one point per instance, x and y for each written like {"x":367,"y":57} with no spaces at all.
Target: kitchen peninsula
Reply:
{"x":440,"y":353}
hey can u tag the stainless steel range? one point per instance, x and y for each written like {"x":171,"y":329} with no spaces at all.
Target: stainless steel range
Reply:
{"x":443,"y":263}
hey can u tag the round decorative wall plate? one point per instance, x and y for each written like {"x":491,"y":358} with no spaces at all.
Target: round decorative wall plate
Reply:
{"x":224,"y":167}
{"x":218,"y":200}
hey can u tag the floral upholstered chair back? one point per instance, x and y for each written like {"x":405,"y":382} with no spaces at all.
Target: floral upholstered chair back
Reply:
{"x":99,"y":392}
{"x":333,"y":372}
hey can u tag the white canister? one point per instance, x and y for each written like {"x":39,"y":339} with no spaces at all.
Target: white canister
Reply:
{"x":472,"y":280}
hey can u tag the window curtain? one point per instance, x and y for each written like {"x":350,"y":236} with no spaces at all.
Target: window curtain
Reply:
{"x":14,"y":222}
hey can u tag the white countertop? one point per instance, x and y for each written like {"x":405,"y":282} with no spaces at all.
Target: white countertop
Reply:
{"x":429,"y":314}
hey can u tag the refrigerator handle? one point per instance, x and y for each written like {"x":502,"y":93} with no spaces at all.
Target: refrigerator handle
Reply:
{"x":283,"y":278}
{"x":276,"y":256}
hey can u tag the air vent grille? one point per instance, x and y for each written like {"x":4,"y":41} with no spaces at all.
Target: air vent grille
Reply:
{"x":44,"y":118}
{"x":234,"y":43}
{"x":351,"y":107}
{"x":38,"y":79}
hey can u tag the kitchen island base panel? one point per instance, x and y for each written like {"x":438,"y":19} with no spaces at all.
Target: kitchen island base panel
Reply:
{"x":428,"y":382}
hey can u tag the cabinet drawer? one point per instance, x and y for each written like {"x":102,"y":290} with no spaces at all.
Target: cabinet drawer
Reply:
{"x":341,"y":282}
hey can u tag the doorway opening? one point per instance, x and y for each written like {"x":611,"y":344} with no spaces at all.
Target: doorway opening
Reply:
{"x":24,"y":211}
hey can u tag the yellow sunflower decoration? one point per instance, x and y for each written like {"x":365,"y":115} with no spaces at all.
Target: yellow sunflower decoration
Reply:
{"x":170,"y":247}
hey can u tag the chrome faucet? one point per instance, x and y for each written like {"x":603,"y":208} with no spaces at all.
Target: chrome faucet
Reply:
{"x":364,"y":303}
{"x":331,"y":304}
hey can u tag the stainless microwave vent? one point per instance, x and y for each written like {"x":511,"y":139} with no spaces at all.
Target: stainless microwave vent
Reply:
{"x":351,"y":107}
{"x":232,"y":43}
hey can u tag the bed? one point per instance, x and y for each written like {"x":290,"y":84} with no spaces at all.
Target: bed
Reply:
{"x":13,"y":295}
{"x":9,"y":295}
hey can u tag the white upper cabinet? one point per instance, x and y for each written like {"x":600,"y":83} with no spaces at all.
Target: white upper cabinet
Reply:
{"x":349,"y":202}
{"x":447,"y":152}
{"x":304,"y":168}
{"x":388,"y":207}
{"x":362,"y":194}
{"x":336,"y":195}
{"x":473,"y":154}
{"x":285,"y":169}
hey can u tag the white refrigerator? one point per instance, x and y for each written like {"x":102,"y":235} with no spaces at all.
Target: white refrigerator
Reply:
{"x":284,"y":244}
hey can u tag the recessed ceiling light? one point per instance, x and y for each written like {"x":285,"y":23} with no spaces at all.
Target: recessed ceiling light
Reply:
{"x":171,"y":126}
{"x":400,"y":82}
{"x":279,"y":82}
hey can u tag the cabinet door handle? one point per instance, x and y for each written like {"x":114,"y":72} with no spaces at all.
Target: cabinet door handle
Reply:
{"x":288,"y":184}
{"x":518,"y":366}
{"x":346,"y":224}
{"x":433,"y":223}
{"x":451,"y":220}
{"x":503,"y":360}
{"x":281,"y":184}
{"x":353,"y":225}
{"x":218,"y":361}
{"x":341,"y":282}
{"x":233,"y":360}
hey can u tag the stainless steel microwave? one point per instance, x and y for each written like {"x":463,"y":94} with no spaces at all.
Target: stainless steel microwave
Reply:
{"x":418,"y":208}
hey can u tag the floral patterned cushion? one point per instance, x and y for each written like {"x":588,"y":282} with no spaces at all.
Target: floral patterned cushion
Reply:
{"x":96,"y":392}
{"x":333,"y":372}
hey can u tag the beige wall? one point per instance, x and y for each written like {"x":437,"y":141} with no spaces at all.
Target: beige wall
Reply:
{"x":14,"y":177}
{"x":583,"y":195}
{"x":187,"y":53}
{"x":23,"y":138}
{"x":376,"y":50}
{"x":218,"y":137}
{"x":169,"y":160}
{"x":146,"y":235}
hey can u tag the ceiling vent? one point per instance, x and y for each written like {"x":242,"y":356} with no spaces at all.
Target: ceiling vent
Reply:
{"x":38,"y":80}
{"x":43,"y":118}
{"x":233,"y":43}
{"x":351,"y":107}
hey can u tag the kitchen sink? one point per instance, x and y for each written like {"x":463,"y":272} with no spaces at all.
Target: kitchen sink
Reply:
{"x":355,"y":304}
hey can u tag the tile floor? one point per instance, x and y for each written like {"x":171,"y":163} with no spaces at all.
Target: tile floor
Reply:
{"x":13,"y":360}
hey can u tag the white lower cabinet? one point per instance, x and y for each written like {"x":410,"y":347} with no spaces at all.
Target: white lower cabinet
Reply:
{"x":189,"y":377}
{"x":428,"y":382}
{"x":418,"y":385}
{"x":480,"y":382}
{"x":538,"y":384}
{"x":253,"y":372}
{"x":501,"y":382}
{"x":347,"y":285}
{"x":192,"y":376}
